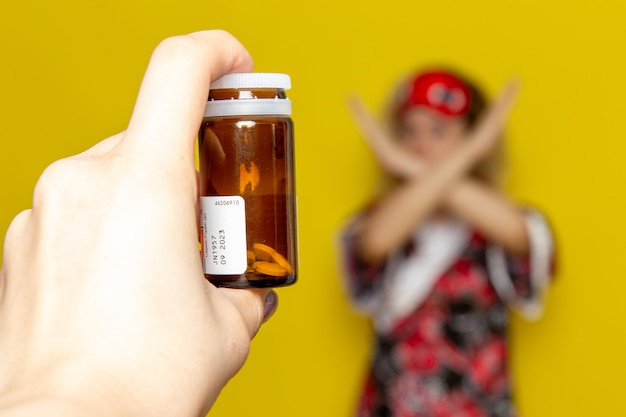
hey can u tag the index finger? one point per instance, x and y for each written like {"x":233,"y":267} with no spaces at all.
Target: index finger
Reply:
{"x":173,"y":94}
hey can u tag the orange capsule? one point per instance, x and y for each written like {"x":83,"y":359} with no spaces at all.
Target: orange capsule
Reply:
{"x":263,"y":252}
{"x":269,"y":268}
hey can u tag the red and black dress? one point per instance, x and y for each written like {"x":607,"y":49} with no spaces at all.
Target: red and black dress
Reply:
{"x":439,"y":309}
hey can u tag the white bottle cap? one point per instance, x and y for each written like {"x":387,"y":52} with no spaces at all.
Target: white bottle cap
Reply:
{"x":250,"y":106}
{"x":253,"y":80}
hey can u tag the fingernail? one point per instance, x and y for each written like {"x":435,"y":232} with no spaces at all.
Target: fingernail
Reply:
{"x":271,"y":302}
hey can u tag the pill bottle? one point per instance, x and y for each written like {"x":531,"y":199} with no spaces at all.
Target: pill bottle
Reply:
{"x":247,"y":182}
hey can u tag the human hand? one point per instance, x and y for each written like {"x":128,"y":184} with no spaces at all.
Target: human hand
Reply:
{"x":104,"y":309}
{"x":482,"y":139}
{"x":390,"y":155}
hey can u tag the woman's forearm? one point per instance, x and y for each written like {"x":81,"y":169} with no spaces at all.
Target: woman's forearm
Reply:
{"x":490,"y":213}
{"x":393,"y":220}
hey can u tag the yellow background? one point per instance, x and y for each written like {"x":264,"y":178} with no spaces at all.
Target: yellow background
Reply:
{"x":69,"y":72}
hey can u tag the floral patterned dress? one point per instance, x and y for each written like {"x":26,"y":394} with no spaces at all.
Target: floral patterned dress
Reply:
{"x":440,"y":347}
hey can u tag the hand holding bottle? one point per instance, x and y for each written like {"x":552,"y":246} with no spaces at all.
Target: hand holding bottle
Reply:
{"x":104,"y":308}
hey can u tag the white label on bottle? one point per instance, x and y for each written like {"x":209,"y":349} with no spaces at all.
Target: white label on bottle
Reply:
{"x":223,"y":223}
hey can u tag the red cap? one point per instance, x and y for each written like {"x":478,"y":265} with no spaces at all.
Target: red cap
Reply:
{"x":440,"y":91}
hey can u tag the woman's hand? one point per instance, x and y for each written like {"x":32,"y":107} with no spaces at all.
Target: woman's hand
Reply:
{"x":390,"y":156}
{"x":104,"y":309}
{"x":398,"y":162}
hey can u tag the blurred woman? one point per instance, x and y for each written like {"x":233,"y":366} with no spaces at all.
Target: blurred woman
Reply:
{"x":438,"y":257}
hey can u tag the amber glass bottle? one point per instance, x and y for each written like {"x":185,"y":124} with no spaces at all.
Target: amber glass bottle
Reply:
{"x":247,"y":183}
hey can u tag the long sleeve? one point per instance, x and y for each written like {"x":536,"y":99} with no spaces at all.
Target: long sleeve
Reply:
{"x":521,"y":282}
{"x":364,"y":281}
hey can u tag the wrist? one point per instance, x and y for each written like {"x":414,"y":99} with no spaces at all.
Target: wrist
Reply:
{"x":48,"y":406}
{"x":65,"y":391}
{"x":462,"y":161}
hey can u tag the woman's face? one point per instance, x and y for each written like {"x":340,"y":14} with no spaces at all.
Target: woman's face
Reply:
{"x":431,"y":135}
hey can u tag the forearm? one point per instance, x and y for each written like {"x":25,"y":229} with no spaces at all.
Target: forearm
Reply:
{"x":47,"y":407}
{"x":86,"y":383}
{"x":395,"y":218}
{"x":91,"y":398}
{"x":490,"y":213}
{"x":62,"y":389}
{"x":38,"y":398}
